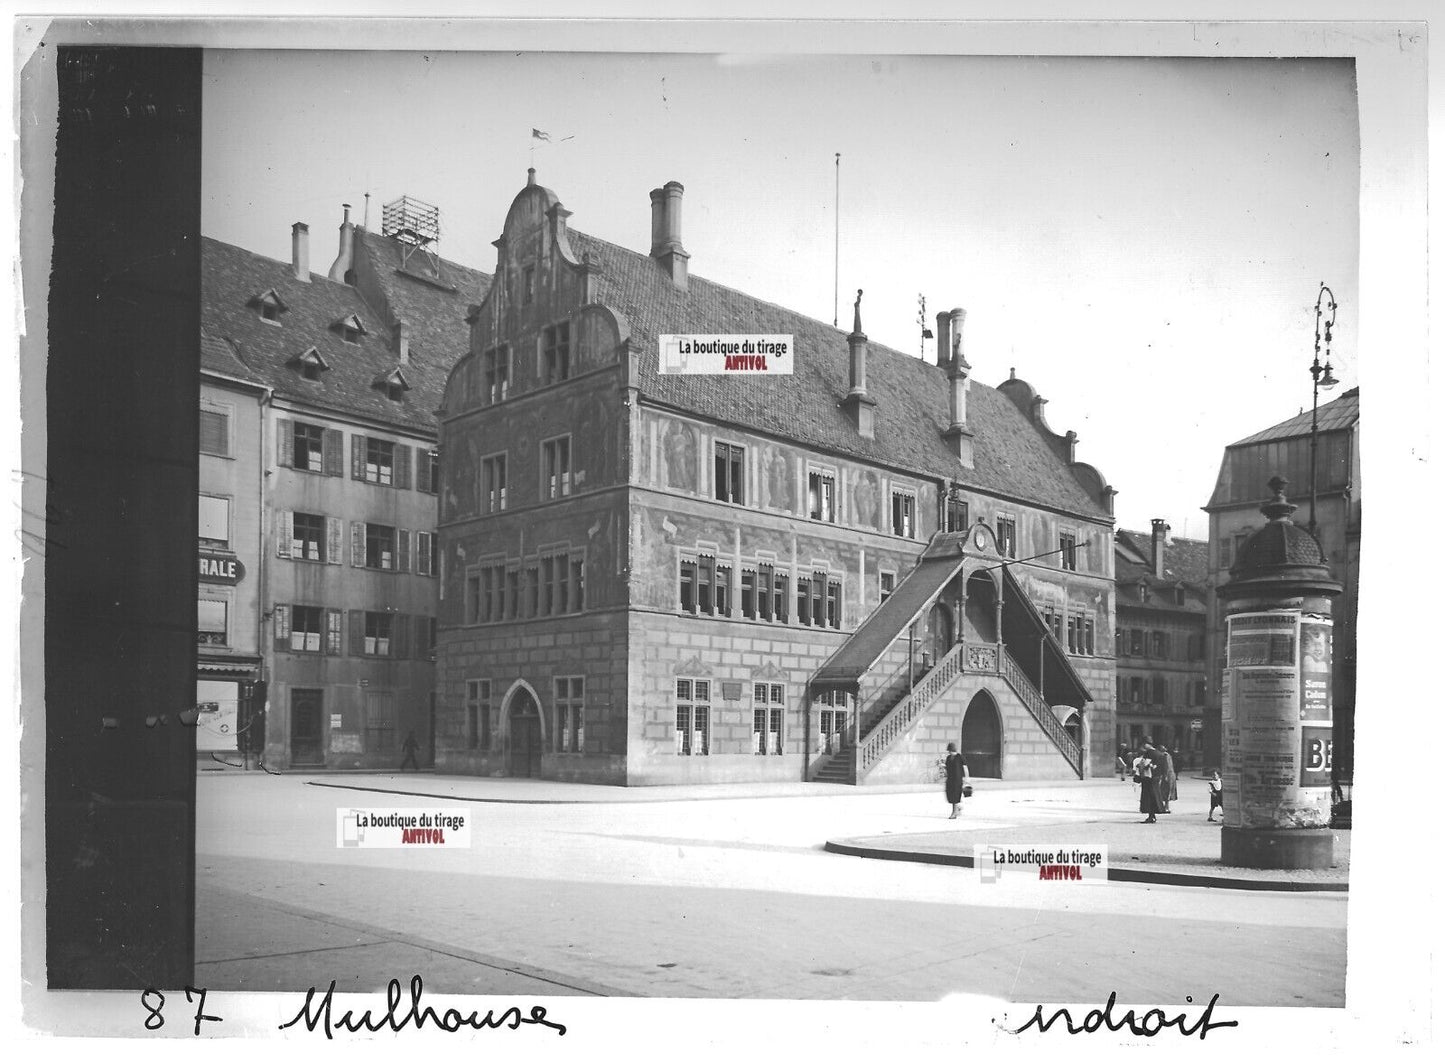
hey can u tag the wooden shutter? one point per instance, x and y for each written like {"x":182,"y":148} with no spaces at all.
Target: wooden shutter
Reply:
{"x":400,"y":629}
{"x":285,"y":532}
{"x":401,"y":467}
{"x":331,"y":441}
{"x":423,"y":470}
{"x":358,"y":457}
{"x":283,"y":626}
{"x":331,"y":643}
{"x":419,"y":643}
{"x":358,"y":545}
{"x":424,"y":553}
{"x":284,"y":440}
{"x":357,"y":633}
{"x":403,"y":550}
{"x":334,"y":530}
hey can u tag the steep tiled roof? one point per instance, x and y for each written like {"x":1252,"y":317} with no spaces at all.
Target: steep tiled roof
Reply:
{"x":231,"y":276}
{"x":1010,"y":457}
{"x":1185,"y":560}
{"x":1343,"y":412}
{"x":218,"y":356}
{"x":433,"y":305}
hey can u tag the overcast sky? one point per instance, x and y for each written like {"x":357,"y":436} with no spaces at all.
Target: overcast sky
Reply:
{"x":1141,"y":239}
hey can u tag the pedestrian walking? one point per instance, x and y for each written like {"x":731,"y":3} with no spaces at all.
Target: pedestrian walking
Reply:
{"x":1121,"y":762}
{"x":954,"y":772}
{"x":1216,"y":796}
{"x":1169,"y":786}
{"x":409,"y":746}
{"x":1148,"y":791}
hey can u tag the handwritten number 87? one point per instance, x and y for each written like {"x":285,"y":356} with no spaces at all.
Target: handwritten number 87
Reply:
{"x":154,"y":1019}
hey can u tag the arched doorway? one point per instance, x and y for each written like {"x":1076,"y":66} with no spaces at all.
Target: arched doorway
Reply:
{"x":1072,"y":720}
{"x":524,"y":727}
{"x":981,"y":741}
{"x":979,"y":609}
{"x":940,"y":627}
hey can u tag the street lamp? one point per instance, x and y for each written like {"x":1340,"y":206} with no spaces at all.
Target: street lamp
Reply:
{"x":1323,"y":378}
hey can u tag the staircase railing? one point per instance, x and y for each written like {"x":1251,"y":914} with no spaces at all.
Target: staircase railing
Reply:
{"x":1039,"y":708}
{"x":873,"y":744}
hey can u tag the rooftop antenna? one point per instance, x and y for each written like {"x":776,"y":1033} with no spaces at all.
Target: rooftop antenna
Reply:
{"x":837,"y":179}
{"x":927,"y":333}
{"x":366,"y":215}
{"x":416,"y":226}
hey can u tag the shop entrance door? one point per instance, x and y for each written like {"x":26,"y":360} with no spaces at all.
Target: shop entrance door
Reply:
{"x":306,"y":728}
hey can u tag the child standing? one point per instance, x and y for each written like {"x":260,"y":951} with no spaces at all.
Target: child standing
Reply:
{"x":1216,"y":796}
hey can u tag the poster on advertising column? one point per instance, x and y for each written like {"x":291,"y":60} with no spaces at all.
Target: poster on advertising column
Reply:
{"x":1269,"y":761}
{"x":1316,"y":696}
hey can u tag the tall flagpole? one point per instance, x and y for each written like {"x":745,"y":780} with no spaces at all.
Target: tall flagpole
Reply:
{"x":837,"y":177}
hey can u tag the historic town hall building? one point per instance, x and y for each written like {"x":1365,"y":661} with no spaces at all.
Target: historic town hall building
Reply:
{"x":656,"y":578}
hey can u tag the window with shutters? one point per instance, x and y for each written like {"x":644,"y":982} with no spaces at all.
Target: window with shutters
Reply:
{"x":955,"y":513}
{"x":308,"y":537}
{"x":557,"y":467}
{"x":821,"y":493}
{"x":494,"y":483}
{"x":214,"y":522}
{"x":308,"y":628}
{"x":378,"y":634}
{"x":728,"y":473}
{"x":479,"y":714}
{"x":1068,"y":559}
{"x":1159,"y":644}
{"x":211,"y":621}
{"x":308,"y":448}
{"x":904,"y":509}
{"x":381,"y":547}
{"x":496,"y":374}
{"x":768,"y":701}
{"x":568,"y":697}
{"x":215,"y":432}
{"x":380,"y":456}
{"x":693,"y":706}
{"x":428,"y":471}
{"x":1007,"y":528}
{"x":1161,"y":690}
{"x":556,"y":353}
{"x":426,"y":553}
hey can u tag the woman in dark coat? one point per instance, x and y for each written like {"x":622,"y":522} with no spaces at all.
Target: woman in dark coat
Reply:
{"x":1148,"y":791}
{"x":953,"y":770}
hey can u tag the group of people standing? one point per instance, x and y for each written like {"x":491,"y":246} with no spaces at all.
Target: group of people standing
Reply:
{"x":1152,"y":768}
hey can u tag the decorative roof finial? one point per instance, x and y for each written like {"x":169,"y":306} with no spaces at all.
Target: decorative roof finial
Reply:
{"x":858,"y":313}
{"x":1279,"y":507}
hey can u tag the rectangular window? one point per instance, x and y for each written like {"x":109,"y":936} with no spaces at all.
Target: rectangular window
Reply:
{"x":705,"y":587}
{"x":556,"y":353}
{"x":211,"y":627}
{"x":1075,"y":634}
{"x":576,"y":585}
{"x":381,"y":547}
{"x":474,"y":598}
{"x":492,"y":590}
{"x":378,"y":634}
{"x":955,"y":514}
{"x":903,"y":506}
{"x":768,"y":703}
{"x":1136,"y":689}
{"x":494,"y":482}
{"x":1055,"y":623}
{"x":693,"y":702}
{"x":428,"y":470}
{"x":1121,"y":647}
{"x":380,"y":462}
{"x":750,"y":593}
{"x":308,"y":537}
{"x":425,"y":553}
{"x":835,"y":604}
{"x":728,"y":473}
{"x":886,"y":581}
{"x":568,"y":696}
{"x":529,"y":283}
{"x":479,"y":714}
{"x":1086,"y":647}
{"x":496,"y":373}
{"x":780,"y":597}
{"x":531,"y":591}
{"x":1136,"y":642}
{"x":1161,"y":690}
{"x":514,"y":593}
{"x":214,"y":521}
{"x":308,"y":450}
{"x":820,"y":496}
{"x":307,"y":626}
{"x":766,"y":610}
{"x":1160,"y":641}
{"x":1225,"y":553}
{"x":549,"y":603}
{"x":1007,"y":536}
{"x":557,"y":467}
{"x":215,"y":433}
{"x":1067,"y":559}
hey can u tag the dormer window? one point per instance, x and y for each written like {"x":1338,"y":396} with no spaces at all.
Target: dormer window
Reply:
{"x":393,"y":384}
{"x":268,"y":305}
{"x":310,"y":363}
{"x":349,"y":328}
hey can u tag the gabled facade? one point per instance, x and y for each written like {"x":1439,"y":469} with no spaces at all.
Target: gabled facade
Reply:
{"x":1234,"y":514}
{"x":331,"y":386}
{"x":1161,"y":607}
{"x":645,"y":576}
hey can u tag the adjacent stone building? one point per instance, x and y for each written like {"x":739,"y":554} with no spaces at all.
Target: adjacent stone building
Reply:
{"x":1162,"y":681}
{"x":318,"y":489}
{"x":650,"y":577}
{"x":1234,"y":514}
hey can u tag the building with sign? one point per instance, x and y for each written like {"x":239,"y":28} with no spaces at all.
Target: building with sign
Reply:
{"x":1234,"y":515}
{"x":1162,"y":677}
{"x":319,"y":477}
{"x":653,"y":576}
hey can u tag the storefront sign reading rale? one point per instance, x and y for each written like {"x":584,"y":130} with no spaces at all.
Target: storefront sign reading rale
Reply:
{"x":219,"y":568}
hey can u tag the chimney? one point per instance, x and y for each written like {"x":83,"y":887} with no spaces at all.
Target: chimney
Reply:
{"x":403,"y":342}
{"x":1159,"y":539}
{"x":945,"y":344}
{"x":667,"y":233}
{"x":342,"y":265}
{"x":857,"y":402}
{"x":960,"y":439}
{"x":301,"y":252}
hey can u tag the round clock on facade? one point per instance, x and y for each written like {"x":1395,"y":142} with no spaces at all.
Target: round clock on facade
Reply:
{"x":980,"y":537}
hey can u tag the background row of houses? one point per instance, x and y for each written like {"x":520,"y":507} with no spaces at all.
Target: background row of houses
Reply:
{"x":471,"y":508}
